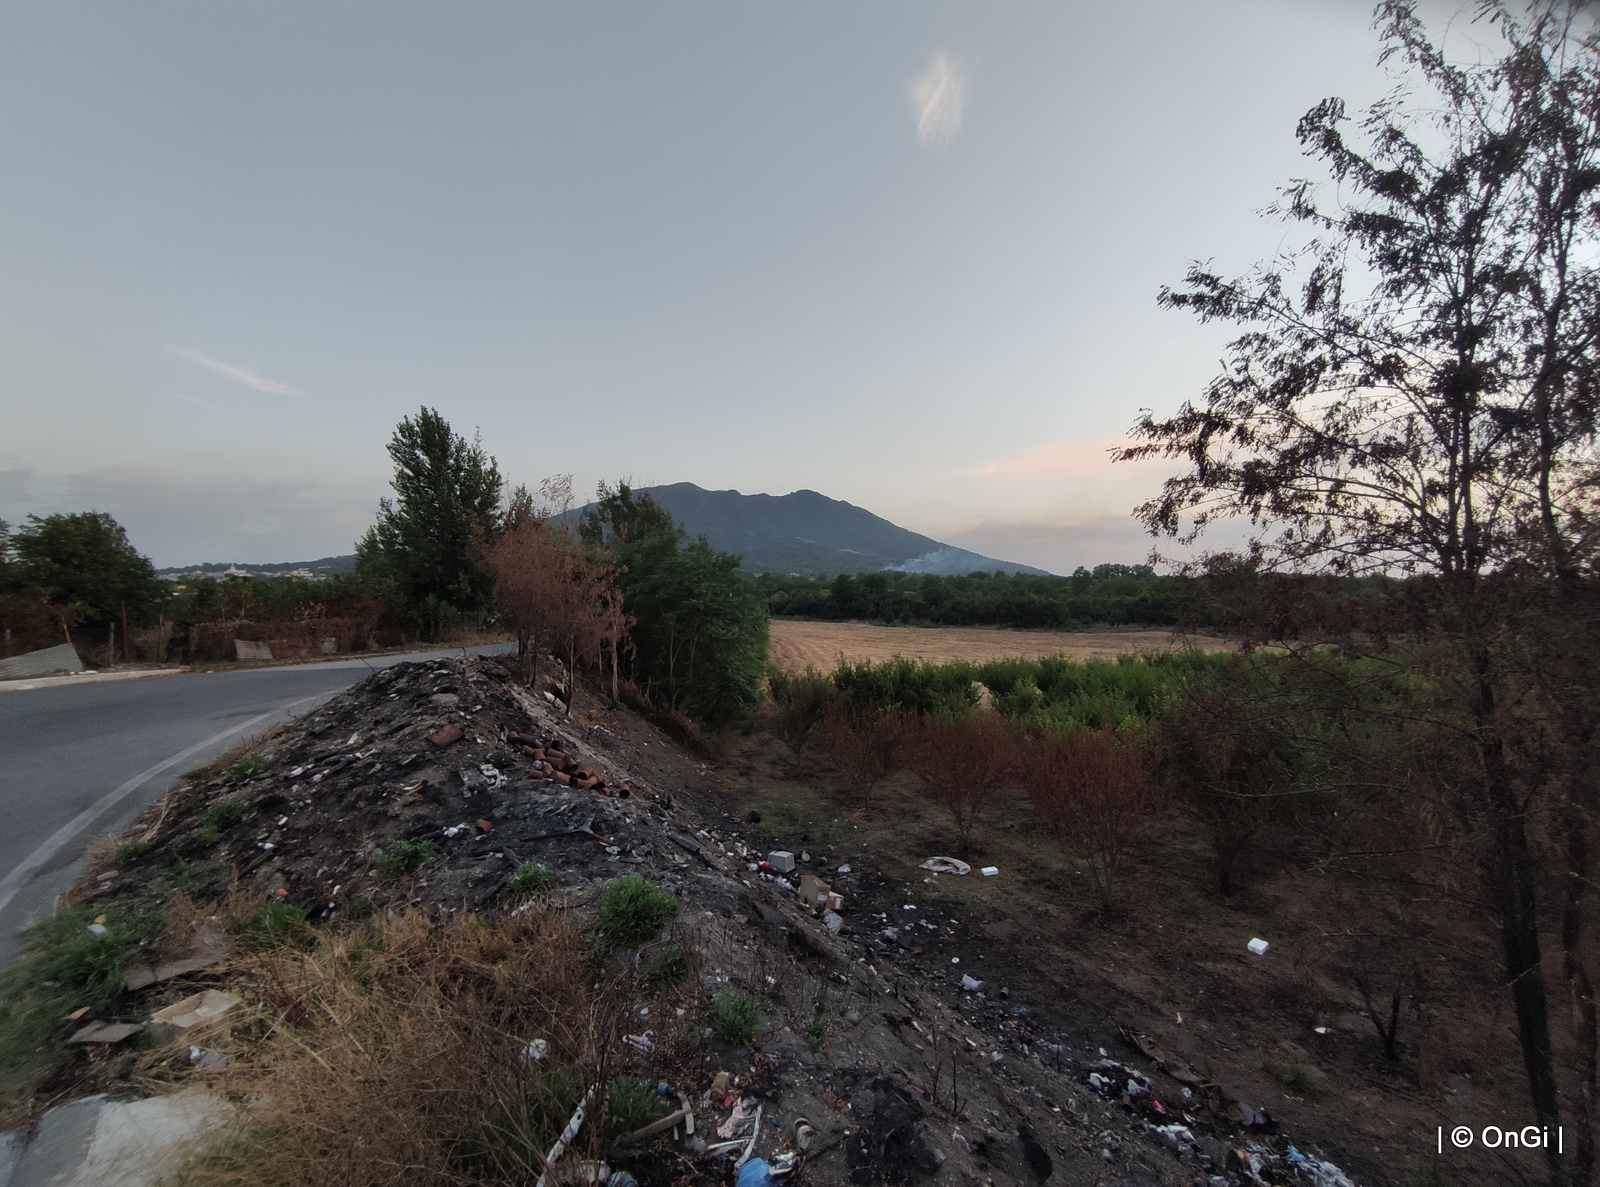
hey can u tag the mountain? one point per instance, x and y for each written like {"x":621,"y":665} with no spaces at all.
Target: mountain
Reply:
{"x":804,"y":532}
{"x":328,"y":566}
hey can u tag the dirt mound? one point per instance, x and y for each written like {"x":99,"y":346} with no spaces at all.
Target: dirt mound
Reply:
{"x":429,"y":784}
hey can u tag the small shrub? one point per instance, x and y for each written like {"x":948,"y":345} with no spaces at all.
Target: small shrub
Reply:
{"x":225,"y":815}
{"x":129,"y":852}
{"x":207,"y":834}
{"x":529,"y":880}
{"x":801,"y":701}
{"x":245,"y":768}
{"x":1293,"y":1075}
{"x":666,"y":967}
{"x":734,"y":1017}
{"x":402,"y":858}
{"x":817,"y":1032}
{"x":632,"y":908}
{"x":275,"y":925}
{"x":630,"y":1105}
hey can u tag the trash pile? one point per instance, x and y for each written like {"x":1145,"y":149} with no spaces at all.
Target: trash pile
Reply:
{"x":431,"y":784}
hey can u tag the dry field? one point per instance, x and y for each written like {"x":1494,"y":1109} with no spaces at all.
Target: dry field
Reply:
{"x":797,"y":644}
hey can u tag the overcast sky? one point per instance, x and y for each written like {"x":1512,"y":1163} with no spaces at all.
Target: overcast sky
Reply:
{"x":905,"y":254}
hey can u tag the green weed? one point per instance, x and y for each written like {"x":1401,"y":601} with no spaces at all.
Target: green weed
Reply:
{"x":529,"y":880}
{"x":207,"y":834}
{"x":129,"y":852}
{"x":275,"y":925}
{"x":632,"y":909}
{"x":1296,"y":1076}
{"x":630,"y":1105}
{"x":817,"y":1032}
{"x":402,"y":858}
{"x":225,"y":814}
{"x":244,"y":769}
{"x":666,"y":967}
{"x":734,"y":1016}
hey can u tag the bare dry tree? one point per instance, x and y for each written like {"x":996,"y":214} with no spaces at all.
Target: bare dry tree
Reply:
{"x":962,"y":762}
{"x":864,"y":743}
{"x":1092,"y":790}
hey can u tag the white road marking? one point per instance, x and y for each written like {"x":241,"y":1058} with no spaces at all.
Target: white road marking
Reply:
{"x":23,"y":874}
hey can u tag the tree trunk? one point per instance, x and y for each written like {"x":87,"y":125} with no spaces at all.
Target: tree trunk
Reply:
{"x":1509,"y":871}
{"x":1586,"y":1028}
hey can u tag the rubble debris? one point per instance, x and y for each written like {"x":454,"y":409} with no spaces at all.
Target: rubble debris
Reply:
{"x":105,"y":1032}
{"x":197,"y":1008}
{"x":447,"y":735}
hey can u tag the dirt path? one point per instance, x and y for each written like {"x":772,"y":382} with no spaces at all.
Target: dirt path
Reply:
{"x":796,"y":644}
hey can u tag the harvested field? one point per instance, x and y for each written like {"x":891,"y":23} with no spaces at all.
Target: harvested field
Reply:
{"x":797,"y":643}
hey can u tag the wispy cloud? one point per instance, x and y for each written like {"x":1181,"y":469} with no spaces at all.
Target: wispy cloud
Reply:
{"x":1056,"y":459}
{"x":248,"y":376}
{"x":938,"y":97}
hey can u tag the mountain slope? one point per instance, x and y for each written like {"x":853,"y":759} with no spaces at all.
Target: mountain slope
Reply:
{"x":805,"y":532}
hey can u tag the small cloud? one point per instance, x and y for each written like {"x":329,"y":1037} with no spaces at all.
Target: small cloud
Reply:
{"x":938,"y":97}
{"x":245,"y":375}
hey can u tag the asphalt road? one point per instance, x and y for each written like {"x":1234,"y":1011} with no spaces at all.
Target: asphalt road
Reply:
{"x":79,"y":762}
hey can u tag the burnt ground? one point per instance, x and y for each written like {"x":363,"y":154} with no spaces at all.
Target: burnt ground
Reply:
{"x":1119,"y":1046}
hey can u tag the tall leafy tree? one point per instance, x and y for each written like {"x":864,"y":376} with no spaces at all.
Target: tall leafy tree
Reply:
{"x":445,"y":508}
{"x":1414,"y":390}
{"x":699,"y":630}
{"x":85,"y":564}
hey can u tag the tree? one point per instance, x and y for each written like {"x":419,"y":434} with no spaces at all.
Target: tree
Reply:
{"x":446,"y":507}
{"x":699,"y":633}
{"x":84,"y":564}
{"x":1414,"y":392}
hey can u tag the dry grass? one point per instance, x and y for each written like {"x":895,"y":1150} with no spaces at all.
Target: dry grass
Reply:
{"x":795,"y":645}
{"x":395,"y":1054}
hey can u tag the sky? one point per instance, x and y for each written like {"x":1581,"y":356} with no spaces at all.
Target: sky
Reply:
{"x":902,"y":253}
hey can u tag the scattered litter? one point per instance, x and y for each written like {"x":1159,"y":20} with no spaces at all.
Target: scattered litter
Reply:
{"x":755,"y":1173}
{"x":818,"y":895}
{"x":1323,"y":1174}
{"x":832,"y":921}
{"x":76,"y":1014}
{"x":105,"y":1032}
{"x":455,"y":830}
{"x":97,"y":929}
{"x":206,"y":1006}
{"x":207,"y":1061}
{"x":492,"y":776}
{"x":208,"y":948}
{"x":781,"y":860}
{"x":1258,"y":946}
{"x":990,"y":871}
{"x":1323,"y":1030}
{"x":566,"y":1138}
{"x":536,"y":1050}
{"x":644,"y":1044}
{"x":970,"y":983}
{"x":736,"y":1119}
{"x":447,"y":736}
{"x":947,"y":865}
{"x":1255,"y":1119}
{"x":844,"y":869}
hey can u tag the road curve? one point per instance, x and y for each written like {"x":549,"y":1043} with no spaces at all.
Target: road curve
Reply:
{"x":79,"y":761}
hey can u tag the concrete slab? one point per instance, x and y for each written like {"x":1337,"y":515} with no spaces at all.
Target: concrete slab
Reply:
{"x":95,"y":1142}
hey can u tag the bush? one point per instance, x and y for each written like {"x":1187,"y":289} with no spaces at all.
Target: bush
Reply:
{"x":800,"y":702}
{"x":913,"y":685}
{"x":631,"y":909}
{"x":274,"y":925}
{"x":207,"y":834}
{"x":529,"y":880}
{"x":225,"y":815}
{"x":666,"y":967}
{"x":630,"y":1105}
{"x":962,"y":762}
{"x":1092,"y":791}
{"x":864,"y":743}
{"x":244,"y":769}
{"x":402,"y":858}
{"x":129,"y":852}
{"x":734,"y":1017}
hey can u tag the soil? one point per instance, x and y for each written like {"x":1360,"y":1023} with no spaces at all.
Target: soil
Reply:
{"x":1121,"y":1044}
{"x":797,"y":644}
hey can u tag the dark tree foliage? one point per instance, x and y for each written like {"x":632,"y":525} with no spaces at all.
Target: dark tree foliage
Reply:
{"x":446,"y":507}
{"x":1117,"y":595}
{"x":83,"y":563}
{"x":699,"y":635}
{"x":1414,"y":391}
